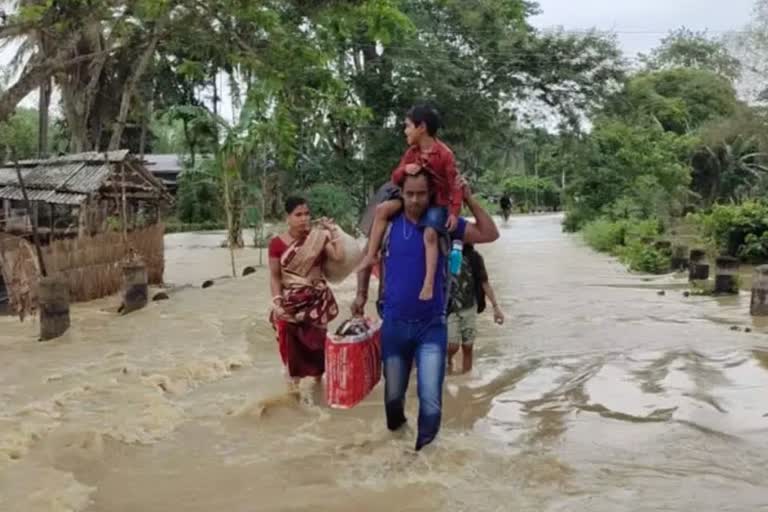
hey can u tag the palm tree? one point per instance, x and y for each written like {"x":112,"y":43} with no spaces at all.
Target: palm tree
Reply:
{"x":730,"y":170}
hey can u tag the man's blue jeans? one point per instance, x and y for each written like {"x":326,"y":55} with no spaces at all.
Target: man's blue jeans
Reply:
{"x":425,"y":341}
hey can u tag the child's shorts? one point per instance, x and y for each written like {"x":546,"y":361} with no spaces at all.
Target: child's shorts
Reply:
{"x":436,"y":217}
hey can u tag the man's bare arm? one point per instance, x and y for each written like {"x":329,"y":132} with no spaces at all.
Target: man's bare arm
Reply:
{"x":363,"y":283}
{"x":484,"y":229}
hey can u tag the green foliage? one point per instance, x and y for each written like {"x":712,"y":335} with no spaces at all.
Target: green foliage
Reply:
{"x":198,"y":199}
{"x":631,"y":241}
{"x":755,"y":248}
{"x":731,"y":162}
{"x":19,"y":133}
{"x":628,"y":171}
{"x":576,"y":219}
{"x":334,"y":202}
{"x":644,"y":230}
{"x":642,"y":257}
{"x":738,"y":230}
{"x":637,"y":161}
{"x":680,"y":100}
{"x":604,"y":235}
{"x":684,"y":48}
{"x":530,"y":191}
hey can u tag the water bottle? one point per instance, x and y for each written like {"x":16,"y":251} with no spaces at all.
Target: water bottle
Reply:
{"x":454,"y":259}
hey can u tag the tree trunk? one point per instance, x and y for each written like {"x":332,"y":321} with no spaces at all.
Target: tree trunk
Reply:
{"x":78,"y":130}
{"x":43,"y":111}
{"x":91,"y":89}
{"x":272,"y":195}
{"x":130,"y":88}
{"x":230,"y":220}
{"x":149,"y":112}
{"x":34,"y":75}
{"x":236,"y":206}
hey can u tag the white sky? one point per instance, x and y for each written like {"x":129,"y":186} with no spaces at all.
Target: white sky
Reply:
{"x":638,"y":24}
{"x":641,"y":24}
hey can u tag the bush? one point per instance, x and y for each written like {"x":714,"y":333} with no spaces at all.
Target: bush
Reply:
{"x":335,"y":202}
{"x":197,"y":199}
{"x":643,"y":229}
{"x":576,"y":219}
{"x":738,"y":230}
{"x":630,"y":240}
{"x":755,"y":248}
{"x":643,"y":257}
{"x":604,"y":235}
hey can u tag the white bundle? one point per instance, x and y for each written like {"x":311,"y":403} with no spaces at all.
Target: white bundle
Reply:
{"x":337,"y":271}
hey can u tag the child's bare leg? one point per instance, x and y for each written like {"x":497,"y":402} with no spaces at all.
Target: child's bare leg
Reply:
{"x":430,"y":245}
{"x":384,"y":212}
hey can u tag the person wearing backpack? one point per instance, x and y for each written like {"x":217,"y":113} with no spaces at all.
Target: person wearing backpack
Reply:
{"x":467,"y":300}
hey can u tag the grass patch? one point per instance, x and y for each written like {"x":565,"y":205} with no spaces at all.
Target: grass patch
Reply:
{"x":632,"y":241}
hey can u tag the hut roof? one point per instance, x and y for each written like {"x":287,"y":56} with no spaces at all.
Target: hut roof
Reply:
{"x":70,"y":179}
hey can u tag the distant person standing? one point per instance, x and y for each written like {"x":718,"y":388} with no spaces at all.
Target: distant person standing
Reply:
{"x":467,"y":301}
{"x":506,"y":206}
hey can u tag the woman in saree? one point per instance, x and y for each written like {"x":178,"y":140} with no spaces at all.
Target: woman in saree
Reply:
{"x":303,"y":304}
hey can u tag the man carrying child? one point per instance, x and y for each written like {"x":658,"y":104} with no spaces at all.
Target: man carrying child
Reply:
{"x":414,"y":322}
{"x":429,"y":154}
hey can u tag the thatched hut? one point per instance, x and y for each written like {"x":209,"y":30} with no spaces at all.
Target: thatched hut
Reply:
{"x":80,"y":194}
{"x":91,"y":209}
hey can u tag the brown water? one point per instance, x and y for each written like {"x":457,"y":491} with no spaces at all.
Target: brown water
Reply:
{"x":599,"y":394}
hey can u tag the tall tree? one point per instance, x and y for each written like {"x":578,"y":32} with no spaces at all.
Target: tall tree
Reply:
{"x":684,"y":48}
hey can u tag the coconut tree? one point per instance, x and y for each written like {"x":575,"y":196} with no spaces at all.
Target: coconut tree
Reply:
{"x":730,"y":170}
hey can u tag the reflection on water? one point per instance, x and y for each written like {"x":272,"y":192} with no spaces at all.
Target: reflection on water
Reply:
{"x":598,"y":394}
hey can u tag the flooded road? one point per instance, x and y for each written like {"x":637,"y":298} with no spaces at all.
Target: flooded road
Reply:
{"x":599,"y":394}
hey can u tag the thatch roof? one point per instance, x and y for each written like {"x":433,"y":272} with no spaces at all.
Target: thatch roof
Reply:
{"x":70,"y":179}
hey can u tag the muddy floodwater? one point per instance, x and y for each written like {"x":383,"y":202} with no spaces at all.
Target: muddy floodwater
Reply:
{"x":598,"y":394}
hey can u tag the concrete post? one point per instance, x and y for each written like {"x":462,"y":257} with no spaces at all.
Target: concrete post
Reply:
{"x":758,"y":306}
{"x":698,"y":268}
{"x":135,"y":287}
{"x":53,"y":294}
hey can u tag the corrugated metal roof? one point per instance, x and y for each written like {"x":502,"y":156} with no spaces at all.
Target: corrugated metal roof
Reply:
{"x":165,"y":163}
{"x":72,"y":177}
{"x":79,"y":174}
{"x":51,"y":176}
{"x":46,"y":196}
{"x":8,"y":175}
{"x":89,"y":179}
{"x":90,"y":156}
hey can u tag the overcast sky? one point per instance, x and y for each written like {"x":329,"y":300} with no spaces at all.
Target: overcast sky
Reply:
{"x":639,"y":24}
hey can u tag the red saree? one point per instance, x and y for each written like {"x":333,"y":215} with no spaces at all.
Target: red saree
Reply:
{"x":308,"y":304}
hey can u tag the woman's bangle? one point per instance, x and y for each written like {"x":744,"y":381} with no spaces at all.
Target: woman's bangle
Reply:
{"x":277,"y":299}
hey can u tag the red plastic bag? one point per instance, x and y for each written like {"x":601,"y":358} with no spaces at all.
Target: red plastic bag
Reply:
{"x":352,"y":362}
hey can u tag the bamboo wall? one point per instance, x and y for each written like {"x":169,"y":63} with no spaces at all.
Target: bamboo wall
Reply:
{"x":93,"y":264}
{"x":18,"y":266}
